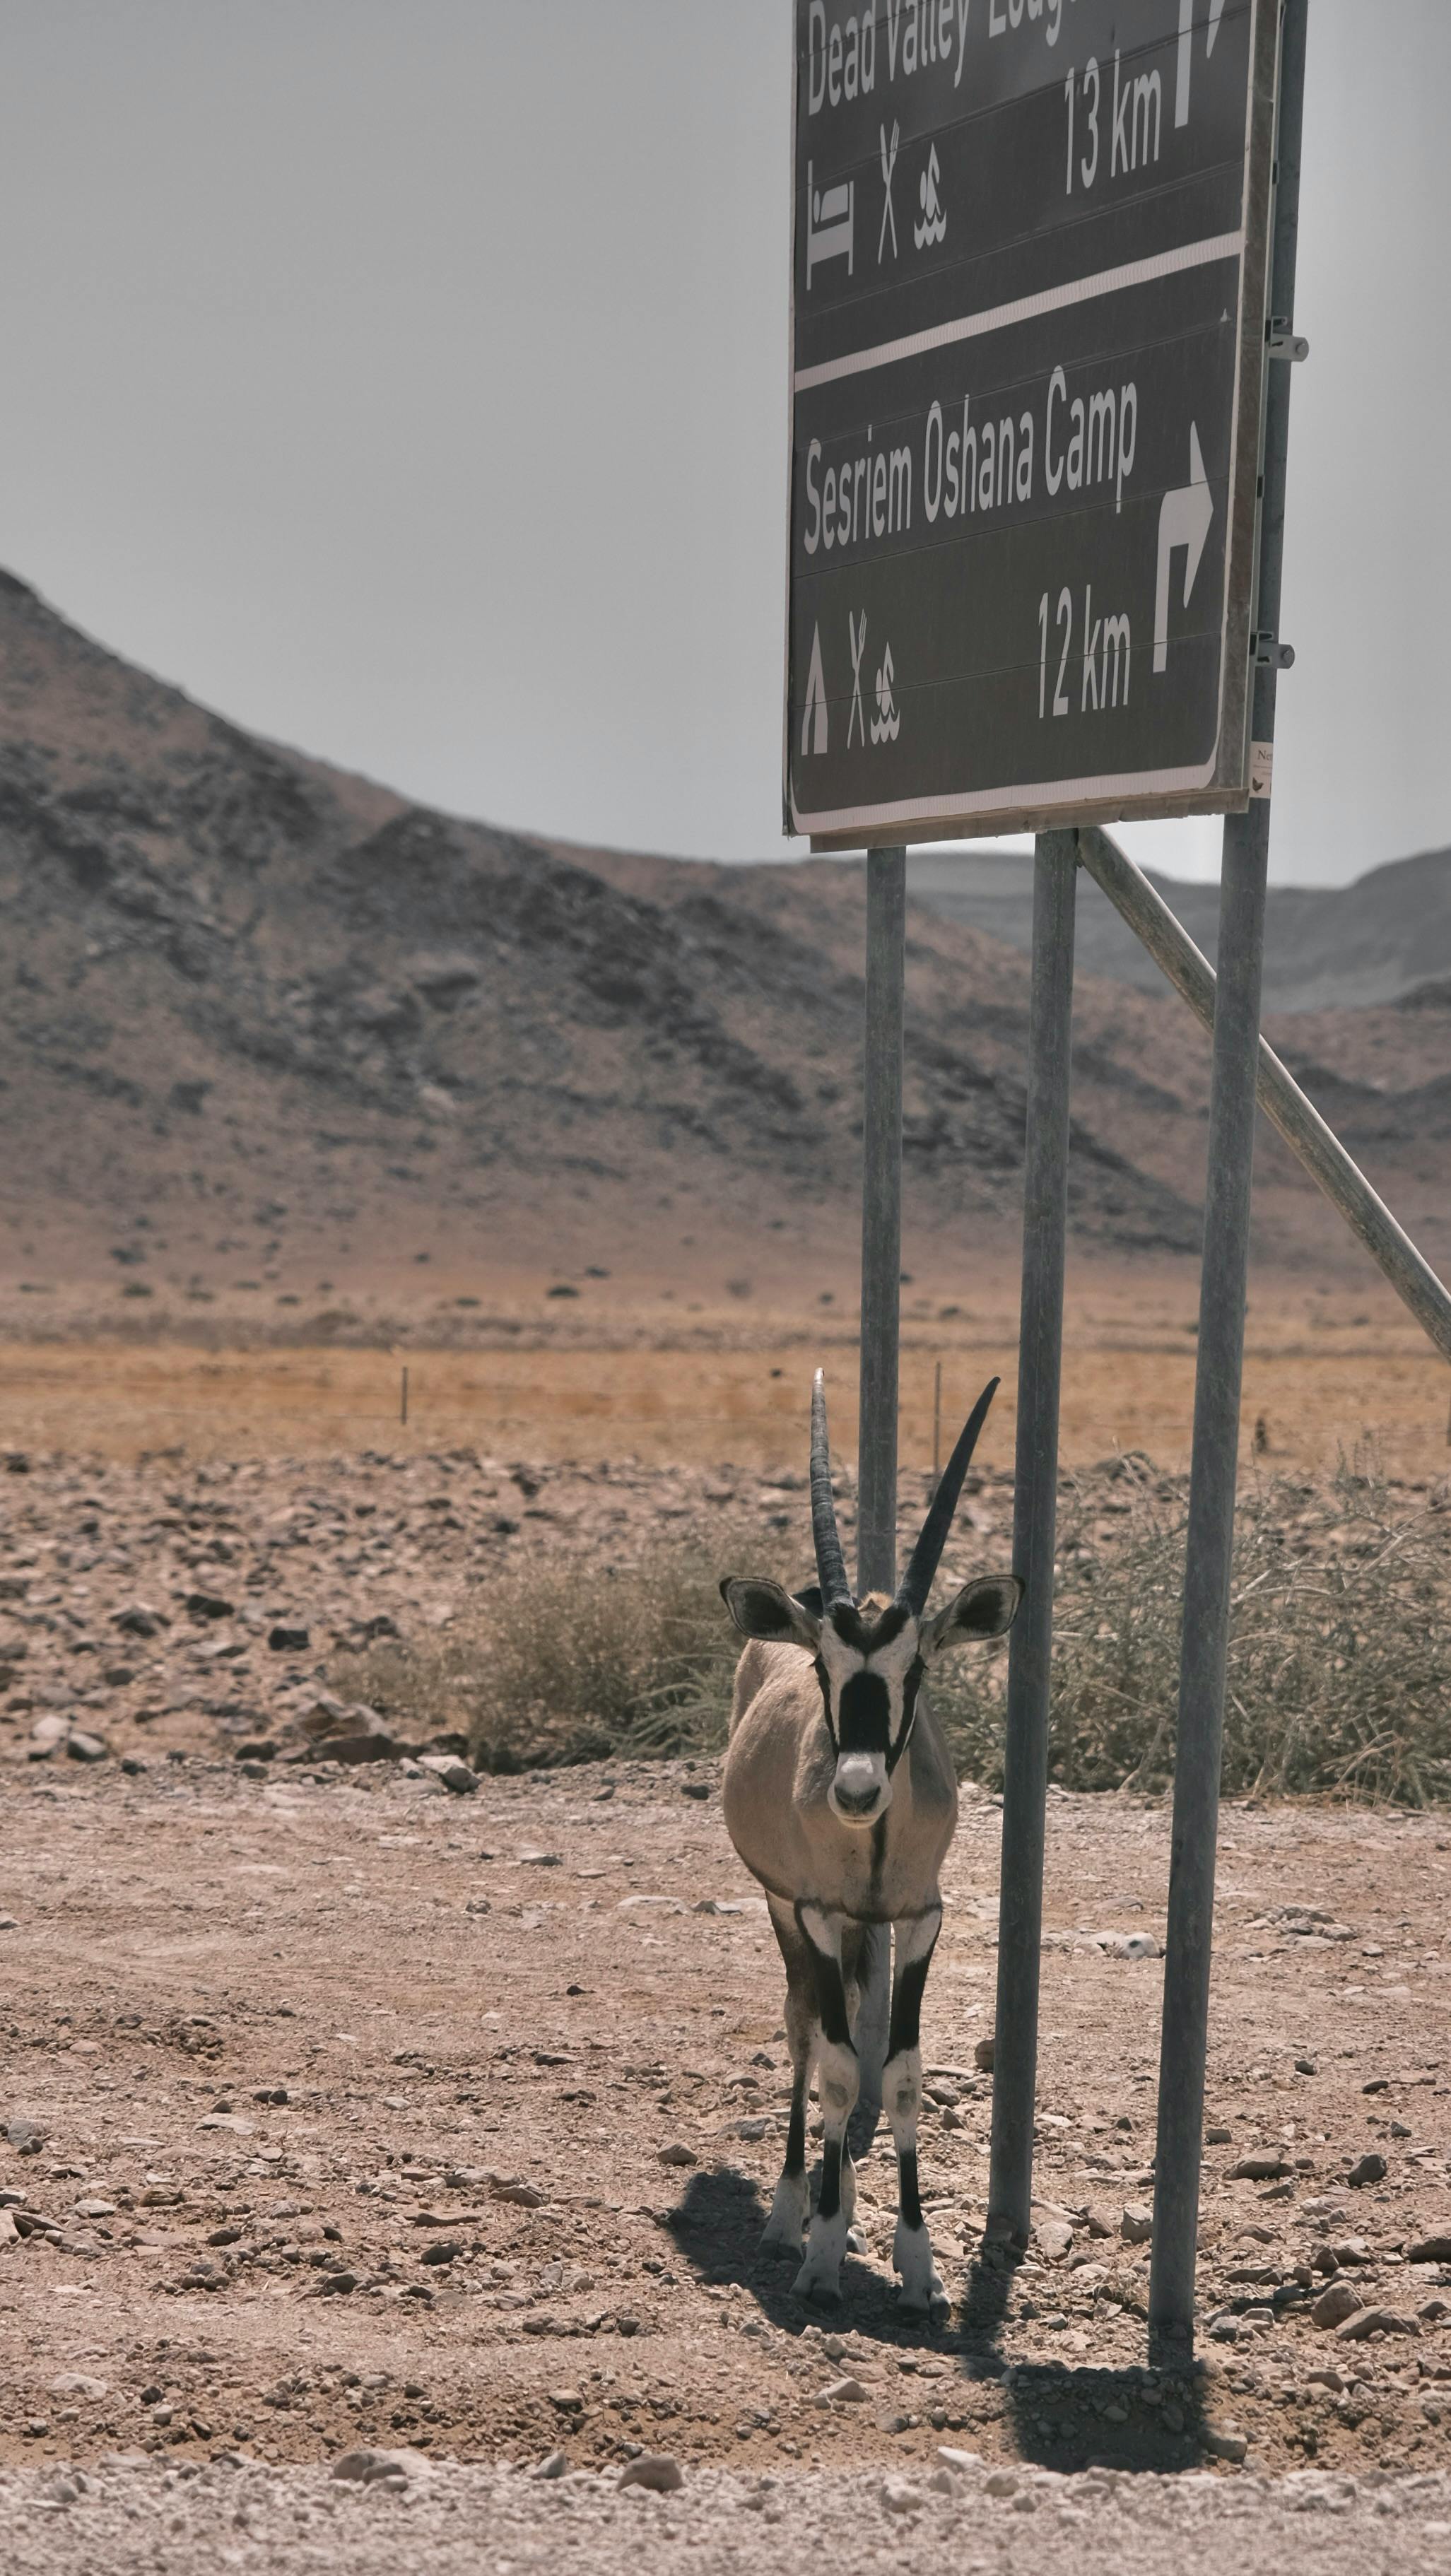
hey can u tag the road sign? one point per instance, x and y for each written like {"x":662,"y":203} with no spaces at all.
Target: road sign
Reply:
{"x":1029,"y":338}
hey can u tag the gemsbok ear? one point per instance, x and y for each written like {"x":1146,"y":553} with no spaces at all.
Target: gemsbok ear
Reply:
{"x":769,"y":1611}
{"x":984,"y":1608}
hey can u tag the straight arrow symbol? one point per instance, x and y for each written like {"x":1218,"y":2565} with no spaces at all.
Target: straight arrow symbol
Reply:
{"x":1186,"y":52}
{"x":1185,"y":519}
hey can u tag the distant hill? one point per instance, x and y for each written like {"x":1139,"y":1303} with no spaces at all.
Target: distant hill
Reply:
{"x":264,"y":1016}
{"x":1326,"y":947}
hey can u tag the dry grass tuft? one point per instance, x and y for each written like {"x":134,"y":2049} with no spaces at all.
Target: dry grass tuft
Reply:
{"x":1340,"y":1644}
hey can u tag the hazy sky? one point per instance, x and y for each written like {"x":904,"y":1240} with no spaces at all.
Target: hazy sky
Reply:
{"x":407,"y":379}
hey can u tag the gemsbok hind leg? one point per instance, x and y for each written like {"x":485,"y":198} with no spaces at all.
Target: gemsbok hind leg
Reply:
{"x":787,"y":2223}
{"x":916,"y":1937}
{"x":836,"y":2084}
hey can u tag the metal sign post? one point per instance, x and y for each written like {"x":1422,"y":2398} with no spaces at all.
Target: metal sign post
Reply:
{"x":1204,"y":1649}
{"x":1035,"y":1512}
{"x":881,"y":1222}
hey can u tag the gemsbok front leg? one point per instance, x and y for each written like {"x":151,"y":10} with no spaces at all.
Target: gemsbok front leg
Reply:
{"x":915,"y":1939}
{"x":786,"y":2225}
{"x":837,"y":2077}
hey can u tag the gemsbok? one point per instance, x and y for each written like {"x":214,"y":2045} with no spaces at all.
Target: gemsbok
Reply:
{"x":840,"y":1797}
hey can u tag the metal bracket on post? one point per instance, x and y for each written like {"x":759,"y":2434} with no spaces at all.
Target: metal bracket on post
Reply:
{"x":1286,"y":345}
{"x":1203,"y":1660}
{"x":1035,"y":1509}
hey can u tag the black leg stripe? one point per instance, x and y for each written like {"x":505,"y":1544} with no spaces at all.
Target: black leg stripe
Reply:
{"x":830,"y":1993}
{"x":907,"y":2006}
{"x":909,"y":2195}
{"x":796,"y":2131}
{"x":830,"y":2201}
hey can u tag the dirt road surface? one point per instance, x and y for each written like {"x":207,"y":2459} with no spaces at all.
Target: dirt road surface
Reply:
{"x":456,"y":2521}
{"x":347,"y":2109}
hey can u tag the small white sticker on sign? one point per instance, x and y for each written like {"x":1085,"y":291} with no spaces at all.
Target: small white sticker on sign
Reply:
{"x":1261,"y":769}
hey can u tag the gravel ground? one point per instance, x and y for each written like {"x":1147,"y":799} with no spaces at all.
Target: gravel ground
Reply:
{"x":340,"y":2108}
{"x":123,"y":2516}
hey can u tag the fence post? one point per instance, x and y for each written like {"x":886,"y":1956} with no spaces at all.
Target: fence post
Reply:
{"x":881,"y":1222}
{"x":1035,"y":1513}
{"x":1214,"y":1467}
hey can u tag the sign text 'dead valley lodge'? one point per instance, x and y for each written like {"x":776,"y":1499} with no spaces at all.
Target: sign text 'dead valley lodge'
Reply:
{"x":1028,"y":346}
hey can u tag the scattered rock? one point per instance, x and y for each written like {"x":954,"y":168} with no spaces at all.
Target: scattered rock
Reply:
{"x":209,"y":1605}
{"x":27,"y":2137}
{"x":678,"y":2154}
{"x":655,"y":2470}
{"x":1136,"y":2226}
{"x":899,"y":2497}
{"x":523,"y":2195}
{"x":453,"y":1773}
{"x":1264,"y":2165}
{"x":381,"y":2468}
{"x":138,"y":1620}
{"x":86,"y":1748}
{"x":1225,"y":2445}
{"x":1369,"y":2321}
{"x":982,"y":2055}
{"x":1053,"y":2237}
{"x":1430,"y":2249}
{"x":845,"y":2392}
{"x":1371,"y":2168}
{"x":285,"y":1640}
{"x":1335,"y":2305}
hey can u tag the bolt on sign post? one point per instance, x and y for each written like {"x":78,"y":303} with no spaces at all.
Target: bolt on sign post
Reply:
{"x":1031,"y":327}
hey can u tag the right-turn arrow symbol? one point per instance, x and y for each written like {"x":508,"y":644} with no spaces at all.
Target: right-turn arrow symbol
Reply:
{"x":1185,"y":519}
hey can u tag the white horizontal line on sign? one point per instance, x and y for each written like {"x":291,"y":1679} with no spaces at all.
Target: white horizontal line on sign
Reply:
{"x":1027,"y":308}
{"x":1063,"y":797}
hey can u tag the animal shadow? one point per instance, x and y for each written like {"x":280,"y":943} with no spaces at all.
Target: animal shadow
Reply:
{"x":716,"y":2227}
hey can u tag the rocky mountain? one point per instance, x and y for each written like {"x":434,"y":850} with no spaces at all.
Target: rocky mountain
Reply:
{"x":261,"y":1012}
{"x":1326,"y":947}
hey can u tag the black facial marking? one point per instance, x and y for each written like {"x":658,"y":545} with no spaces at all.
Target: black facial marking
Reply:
{"x":866,"y":1635}
{"x":909,"y":2197}
{"x":912,"y":1683}
{"x":824,"y":1679}
{"x":864,"y":1714}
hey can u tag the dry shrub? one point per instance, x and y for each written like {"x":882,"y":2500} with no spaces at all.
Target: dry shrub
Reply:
{"x":567,"y":1662}
{"x":1340,"y":1643}
{"x":1340,"y":1650}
